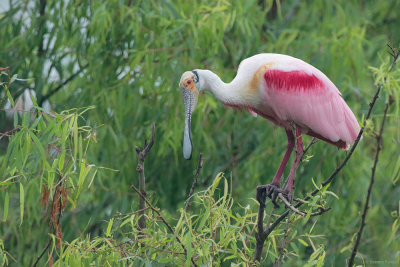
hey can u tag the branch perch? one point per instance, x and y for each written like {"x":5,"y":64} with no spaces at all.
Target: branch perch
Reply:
{"x":142,"y":179}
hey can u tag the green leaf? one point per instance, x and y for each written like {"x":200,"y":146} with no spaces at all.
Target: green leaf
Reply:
{"x":216,"y":182}
{"x":82,"y":173}
{"x":204,"y":218}
{"x":75,"y":134}
{"x":39,"y":145}
{"x":316,"y":186}
{"x":188,"y":245}
{"x":331,"y":193}
{"x":33,"y":99}
{"x":109,"y":227}
{"x":165,"y":260}
{"x":92,"y":178}
{"x":21,"y":202}
{"x":13,"y":78}
{"x":10,"y":98}
{"x":225,"y":189}
{"x":304,"y":243}
{"x":6,"y":202}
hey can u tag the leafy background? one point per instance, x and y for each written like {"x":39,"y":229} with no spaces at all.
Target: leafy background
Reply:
{"x":109,"y":69}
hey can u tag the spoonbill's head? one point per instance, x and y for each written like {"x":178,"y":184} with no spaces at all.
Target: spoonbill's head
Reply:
{"x":189,"y":86}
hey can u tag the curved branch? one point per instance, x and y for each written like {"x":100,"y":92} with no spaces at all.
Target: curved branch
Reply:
{"x":364,"y":215}
{"x":61,"y":85}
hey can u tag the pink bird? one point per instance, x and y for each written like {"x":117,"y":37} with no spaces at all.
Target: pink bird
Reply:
{"x":288,"y":92}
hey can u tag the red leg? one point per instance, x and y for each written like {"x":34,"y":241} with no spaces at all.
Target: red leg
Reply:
{"x":296,"y":162}
{"x":272,"y":190}
{"x":277,"y":178}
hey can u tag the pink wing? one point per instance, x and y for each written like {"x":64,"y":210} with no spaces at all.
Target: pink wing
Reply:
{"x":309,"y":99}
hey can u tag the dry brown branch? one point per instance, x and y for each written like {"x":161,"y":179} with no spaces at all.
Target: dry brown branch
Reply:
{"x":142,"y":179}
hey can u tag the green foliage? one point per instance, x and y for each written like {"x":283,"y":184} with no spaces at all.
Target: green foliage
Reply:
{"x":123,"y":59}
{"x":45,"y":162}
{"x":215,"y":235}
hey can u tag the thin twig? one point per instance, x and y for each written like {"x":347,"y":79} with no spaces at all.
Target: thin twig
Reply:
{"x":41,"y":254}
{"x":290,"y":206}
{"x":164,"y":221}
{"x":313,"y":141}
{"x":199,"y":166}
{"x":61,"y":85}
{"x":142,"y":179}
{"x":302,"y":213}
{"x":395,"y":54}
{"x":364,"y":215}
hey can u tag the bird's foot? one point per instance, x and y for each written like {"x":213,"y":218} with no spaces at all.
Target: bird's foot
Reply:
{"x":272,"y":191}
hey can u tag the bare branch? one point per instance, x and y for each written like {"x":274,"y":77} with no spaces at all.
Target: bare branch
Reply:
{"x":199,"y":166}
{"x":150,"y":145}
{"x":41,"y":254}
{"x":60,"y":86}
{"x":364,"y":215}
{"x":313,"y":141}
{"x":302,"y":213}
{"x":290,"y":206}
{"x":164,"y":221}
{"x":142,"y":179}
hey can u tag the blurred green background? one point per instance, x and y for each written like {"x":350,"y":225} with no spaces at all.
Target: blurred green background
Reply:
{"x":125,"y":58}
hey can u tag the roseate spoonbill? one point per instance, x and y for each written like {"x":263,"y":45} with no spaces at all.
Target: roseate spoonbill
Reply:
{"x":285,"y":90}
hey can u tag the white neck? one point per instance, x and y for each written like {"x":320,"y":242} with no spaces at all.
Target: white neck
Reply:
{"x":228,"y":93}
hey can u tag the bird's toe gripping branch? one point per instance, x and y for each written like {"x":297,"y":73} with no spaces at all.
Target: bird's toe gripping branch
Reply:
{"x":270,"y":190}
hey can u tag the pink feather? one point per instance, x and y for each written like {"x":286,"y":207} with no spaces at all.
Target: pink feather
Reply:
{"x":312,"y":102}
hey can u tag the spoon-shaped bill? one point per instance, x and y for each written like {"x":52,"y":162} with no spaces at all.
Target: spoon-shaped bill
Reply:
{"x":190,"y":99}
{"x":187,"y":139}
